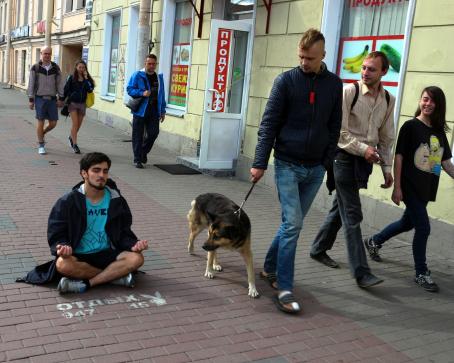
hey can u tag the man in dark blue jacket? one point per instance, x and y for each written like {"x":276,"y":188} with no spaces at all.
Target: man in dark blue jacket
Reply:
{"x":148,"y":85}
{"x":302,"y":121}
{"x":89,"y":230}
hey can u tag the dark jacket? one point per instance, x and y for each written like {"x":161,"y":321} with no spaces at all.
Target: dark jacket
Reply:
{"x":302,"y":119}
{"x":68,"y":220}
{"x":76,"y":91}
{"x":67,"y":224}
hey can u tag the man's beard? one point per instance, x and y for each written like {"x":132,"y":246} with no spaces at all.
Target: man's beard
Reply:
{"x":98,"y":187}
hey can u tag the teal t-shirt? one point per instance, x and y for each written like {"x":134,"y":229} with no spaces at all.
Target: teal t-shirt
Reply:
{"x":95,"y":237}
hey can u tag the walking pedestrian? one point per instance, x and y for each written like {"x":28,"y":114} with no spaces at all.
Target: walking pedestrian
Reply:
{"x":77,"y":86}
{"x":422,"y":150}
{"x":44,"y":85}
{"x":366,"y":137}
{"x":149,"y":86}
{"x":301,"y":121}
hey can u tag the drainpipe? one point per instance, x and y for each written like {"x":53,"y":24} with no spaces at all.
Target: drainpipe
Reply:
{"x":144,"y":32}
{"x":49,"y":16}
{"x":8,"y":45}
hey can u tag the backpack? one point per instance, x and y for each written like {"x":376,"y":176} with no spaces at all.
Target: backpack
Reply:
{"x":387,"y":96}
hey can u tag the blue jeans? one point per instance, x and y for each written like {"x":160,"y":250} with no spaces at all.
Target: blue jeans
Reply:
{"x":415,"y":216}
{"x":141,"y":145}
{"x":346,"y":211}
{"x":297,"y":187}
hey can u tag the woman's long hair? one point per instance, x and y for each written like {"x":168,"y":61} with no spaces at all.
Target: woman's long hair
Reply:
{"x":438,"y":117}
{"x":76,"y":73}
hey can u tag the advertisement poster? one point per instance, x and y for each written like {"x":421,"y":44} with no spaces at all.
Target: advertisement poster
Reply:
{"x":353,"y":50}
{"x":178,"y":85}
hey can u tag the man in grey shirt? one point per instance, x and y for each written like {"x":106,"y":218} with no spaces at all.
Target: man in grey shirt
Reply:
{"x":44,"y":85}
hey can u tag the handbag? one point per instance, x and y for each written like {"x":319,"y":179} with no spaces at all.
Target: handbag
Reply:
{"x":65,"y":111}
{"x":90,"y":101}
{"x":133,"y":103}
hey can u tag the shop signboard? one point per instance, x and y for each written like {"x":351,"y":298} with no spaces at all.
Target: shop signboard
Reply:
{"x":221,"y":69}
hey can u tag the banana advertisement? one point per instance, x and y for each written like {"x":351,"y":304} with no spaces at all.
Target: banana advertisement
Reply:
{"x":353,"y":50}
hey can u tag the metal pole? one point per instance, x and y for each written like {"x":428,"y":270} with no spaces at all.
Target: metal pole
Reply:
{"x":49,"y":16}
{"x":144,"y":32}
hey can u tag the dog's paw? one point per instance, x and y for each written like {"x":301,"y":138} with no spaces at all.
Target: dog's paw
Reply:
{"x":191,"y":249}
{"x":209,"y":274}
{"x":217,"y":267}
{"x":253,"y":291}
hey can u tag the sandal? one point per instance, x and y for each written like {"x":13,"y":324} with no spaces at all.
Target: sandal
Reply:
{"x":287,"y":299}
{"x":270,"y":277}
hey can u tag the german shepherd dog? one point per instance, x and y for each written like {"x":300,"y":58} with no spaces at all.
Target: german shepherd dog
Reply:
{"x":228,"y":227}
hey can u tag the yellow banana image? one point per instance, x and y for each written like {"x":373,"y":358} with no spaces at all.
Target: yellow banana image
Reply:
{"x":357,"y":57}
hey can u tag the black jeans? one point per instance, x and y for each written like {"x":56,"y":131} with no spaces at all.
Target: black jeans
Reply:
{"x":141,"y":145}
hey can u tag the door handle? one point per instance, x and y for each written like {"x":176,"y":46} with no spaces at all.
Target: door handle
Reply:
{"x":209,"y":109}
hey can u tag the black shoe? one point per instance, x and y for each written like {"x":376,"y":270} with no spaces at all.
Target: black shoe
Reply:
{"x":144,"y":160}
{"x":323,"y":257}
{"x":368,"y":280}
{"x":70,"y":140}
{"x":76,"y":149}
{"x":373,"y":249}
{"x":426,"y":282}
{"x":139,"y":165}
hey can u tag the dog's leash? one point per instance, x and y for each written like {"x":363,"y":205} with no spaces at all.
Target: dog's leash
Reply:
{"x":238,"y":211}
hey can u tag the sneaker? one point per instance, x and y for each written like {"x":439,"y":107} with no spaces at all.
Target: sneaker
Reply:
{"x":42,"y":150}
{"x":373,"y":249}
{"x":70,"y":140}
{"x":76,"y":149}
{"x":139,"y":165}
{"x":67,"y":285}
{"x":128,"y":281}
{"x":426,"y":282}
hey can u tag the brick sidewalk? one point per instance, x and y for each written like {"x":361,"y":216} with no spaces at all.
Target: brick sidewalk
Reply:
{"x":175,"y":314}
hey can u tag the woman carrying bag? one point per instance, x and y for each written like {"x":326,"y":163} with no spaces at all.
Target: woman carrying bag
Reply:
{"x":77,"y":87}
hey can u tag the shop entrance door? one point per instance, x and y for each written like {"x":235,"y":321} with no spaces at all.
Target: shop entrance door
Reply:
{"x":226,"y":94}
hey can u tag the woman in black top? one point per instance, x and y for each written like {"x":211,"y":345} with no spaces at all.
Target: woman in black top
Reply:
{"x":422,"y":150}
{"x":76,"y":88}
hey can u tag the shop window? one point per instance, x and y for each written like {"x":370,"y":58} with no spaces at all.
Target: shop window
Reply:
{"x":369,"y":26}
{"x":181,"y":55}
{"x":111,"y":54}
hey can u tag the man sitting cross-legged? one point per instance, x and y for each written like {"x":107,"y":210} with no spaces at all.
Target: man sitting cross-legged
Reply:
{"x":89,"y":231}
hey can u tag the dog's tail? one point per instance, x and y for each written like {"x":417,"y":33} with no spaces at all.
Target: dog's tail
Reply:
{"x":191,"y":211}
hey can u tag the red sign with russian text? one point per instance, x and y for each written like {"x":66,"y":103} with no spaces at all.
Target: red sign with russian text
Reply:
{"x":355,"y":3}
{"x":178,"y":85}
{"x":221,"y":69}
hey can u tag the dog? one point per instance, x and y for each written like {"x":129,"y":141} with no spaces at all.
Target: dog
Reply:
{"x":228,"y":227}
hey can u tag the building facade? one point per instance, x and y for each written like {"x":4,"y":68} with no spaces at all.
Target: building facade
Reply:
{"x":24,"y":21}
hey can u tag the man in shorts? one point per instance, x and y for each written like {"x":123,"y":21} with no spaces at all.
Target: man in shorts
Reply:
{"x":89,"y":230}
{"x":43,"y":86}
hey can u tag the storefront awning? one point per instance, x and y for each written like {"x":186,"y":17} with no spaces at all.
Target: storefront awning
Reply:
{"x":199,"y":14}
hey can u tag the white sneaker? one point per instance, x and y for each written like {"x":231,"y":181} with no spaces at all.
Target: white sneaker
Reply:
{"x":42,"y":150}
{"x":128,"y":281}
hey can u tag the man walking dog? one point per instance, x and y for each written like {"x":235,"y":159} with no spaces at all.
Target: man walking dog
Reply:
{"x":301,"y":121}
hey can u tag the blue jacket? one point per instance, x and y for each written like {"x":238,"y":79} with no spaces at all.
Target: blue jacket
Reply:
{"x":138,"y":84}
